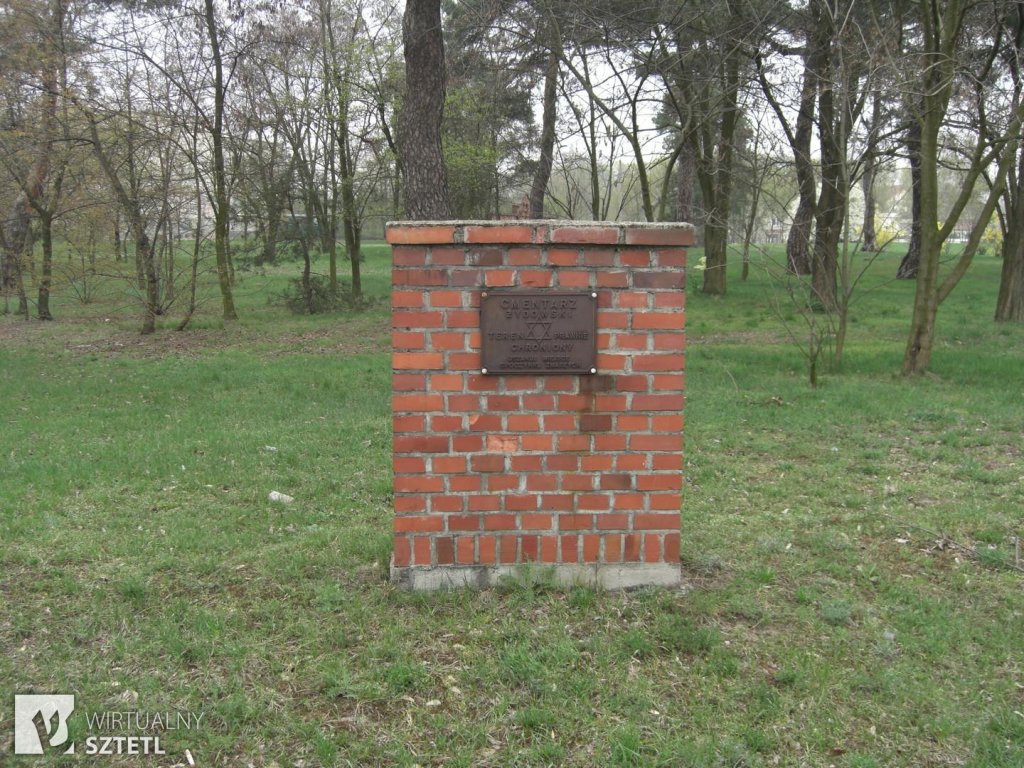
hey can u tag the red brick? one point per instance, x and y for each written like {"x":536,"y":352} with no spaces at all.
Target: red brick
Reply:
{"x":557,"y":502}
{"x":467,"y":443}
{"x":569,"y":546}
{"x":527,"y":463}
{"x":668,"y":382}
{"x":401,"y":424}
{"x":665,"y":441}
{"x":609,"y":442}
{"x":629,"y":422}
{"x":650,"y":522}
{"x":417,"y":360}
{"x":464,"y":522}
{"x":447,"y":257}
{"x":463,"y":361}
{"x":407,"y":299}
{"x":568,"y":442}
{"x":610,"y":403}
{"x":538,"y":483}
{"x":485,"y":422}
{"x":410,"y":504}
{"x":538,"y":402}
{"x":612,"y":280}
{"x":488,"y":555}
{"x":523,"y":423}
{"x":632,"y":300}
{"x":499,"y":522}
{"x":535,"y":278}
{"x":484,"y":503}
{"x":507,"y":549}
{"x":549,"y":549}
{"x":667,"y":422}
{"x":463,"y":403}
{"x":664,"y":362}
{"x":666,"y":482}
{"x":610,"y":319}
{"x":645,"y":235}
{"x":629,"y":501}
{"x":674,"y":321}
{"x":402,"y":464}
{"x":595,"y":422}
{"x":414,"y":235}
{"x":486,"y":257}
{"x":412,"y":319}
{"x":446,"y":382}
{"x":418,"y":484}
{"x":421,"y":443}
{"x":618,"y":482}
{"x":502,"y":483}
{"x":466,"y":554}
{"x":509,"y":233}
{"x":421,"y":277}
{"x":421,"y":550}
{"x":631,"y":548}
{"x":521,"y":502}
{"x":463,"y":318}
{"x":524,"y":257}
{"x":408,"y":340}
{"x":666,"y":501}
{"x":402,"y":551}
{"x":406,"y":382}
{"x":466,"y":278}
{"x":447,"y":465}
{"x":652,"y":547}
{"x":631,"y":462}
{"x":613,"y":548}
{"x":591,"y":548}
{"x":487,"y":463}
{"x":660,"y":280}
{"x":446,"y":299}
{"x":632,"y":341}
{"x":500,"y":278}
{"x":599,"y":257}
{"x":672,"y":402}
{"x":416,"y":403}
{"x":586,"y":235}
{"x":447,"y":504}
{"x":595,"y":501}
{"x":639,"y":257}
{"x":560,"y":422}
{"x":574,"y":482}
{"x":503,"y":443}
{"x":562,"y":462}
{"x":672,"y":257}
{"x":596,"y":463}
{"x":612,"y":521}
{"x":480,"y":383}
{"x":418,"y":523}
{"x":528,"y":546}
{"x":671,"y":543}
{"x":442,"y":423}
{"x":465,"y":484}
{"x":444,"y":341}
{"x":609,"y":362}
{"x":535,"y":522}
{"x":575,"y":522}
{"x":574,"y":279}
{"x":563,"y":257}
{"x":538,"y":443}
{"x":667,"y":461}
{"x":408,"y":257}
{"x":670,"y":299}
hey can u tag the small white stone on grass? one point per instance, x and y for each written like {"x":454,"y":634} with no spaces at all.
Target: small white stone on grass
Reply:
{"x":283,"y":498}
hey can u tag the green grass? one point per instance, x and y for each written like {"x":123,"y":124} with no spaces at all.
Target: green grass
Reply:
{"x":849,"y":550}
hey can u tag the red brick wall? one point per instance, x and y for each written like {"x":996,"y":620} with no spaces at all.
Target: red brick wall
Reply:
{"x":580,"y":472}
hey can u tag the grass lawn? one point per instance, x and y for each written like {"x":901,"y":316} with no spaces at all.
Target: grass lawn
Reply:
{"x":853,"y":599}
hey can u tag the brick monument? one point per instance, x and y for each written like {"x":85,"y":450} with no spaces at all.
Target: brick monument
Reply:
{"x":547,"y":457}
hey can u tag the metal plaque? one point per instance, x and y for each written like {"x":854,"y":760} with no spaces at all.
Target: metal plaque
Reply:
{"x":538,"y":332}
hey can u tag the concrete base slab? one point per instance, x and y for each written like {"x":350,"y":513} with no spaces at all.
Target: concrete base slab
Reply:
{"x":610,"y":577}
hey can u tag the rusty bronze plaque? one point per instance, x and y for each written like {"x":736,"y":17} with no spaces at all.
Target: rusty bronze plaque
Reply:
{"x":538,"y":332}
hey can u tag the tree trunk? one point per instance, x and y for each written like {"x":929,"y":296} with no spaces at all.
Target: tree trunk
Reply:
{"x":542,"y":173}
{"x":869,"y":238}
{"x":221,"y":213}
{"x":426,"y":177}
{"x":1010,"y":302}
{"x":686,"y":171}
{"x":716,"y":234}
{"x":43,"y":307}
{"x":909,"y":265}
